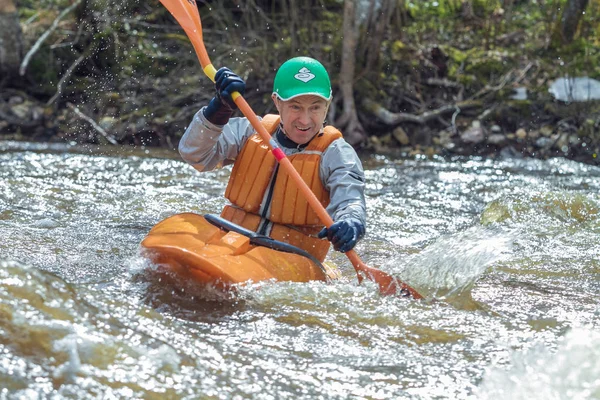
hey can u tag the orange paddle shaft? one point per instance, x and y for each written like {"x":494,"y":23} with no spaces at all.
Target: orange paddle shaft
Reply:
{"x":387,"y":284}
{"x":186,"y":13}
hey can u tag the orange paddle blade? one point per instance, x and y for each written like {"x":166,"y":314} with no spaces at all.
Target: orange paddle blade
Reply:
{"x":186,"y":13}
{"x":388,"y":285}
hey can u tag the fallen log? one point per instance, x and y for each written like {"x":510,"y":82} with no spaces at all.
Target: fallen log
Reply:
{"x":394,"y":119}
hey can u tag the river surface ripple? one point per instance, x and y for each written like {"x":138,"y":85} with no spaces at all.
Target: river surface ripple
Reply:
{"x":506,"y":252}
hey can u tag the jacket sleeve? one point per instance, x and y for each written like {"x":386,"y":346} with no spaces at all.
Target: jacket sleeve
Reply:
{"x":343,"y":176}
{"x":207,"y":146}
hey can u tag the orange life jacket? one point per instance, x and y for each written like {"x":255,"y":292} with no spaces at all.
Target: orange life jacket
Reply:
{"x":294,"y":222}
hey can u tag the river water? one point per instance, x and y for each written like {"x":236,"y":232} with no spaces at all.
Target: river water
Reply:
{"x":505,"y":251}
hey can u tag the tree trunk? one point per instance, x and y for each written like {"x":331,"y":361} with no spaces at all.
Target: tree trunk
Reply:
{"x":508,"y":8}
{"x":467,"y":11}
{"x":11,"y":42}
{"x":570,"y":19}
{"x":348,"y":122}
{"x":383,"y":17}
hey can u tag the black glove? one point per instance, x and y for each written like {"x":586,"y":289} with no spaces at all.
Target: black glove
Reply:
{"x":222,"y":106}
{"x":344,"y":234}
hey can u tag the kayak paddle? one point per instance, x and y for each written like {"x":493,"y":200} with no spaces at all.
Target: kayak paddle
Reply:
{"x":187,"y":14}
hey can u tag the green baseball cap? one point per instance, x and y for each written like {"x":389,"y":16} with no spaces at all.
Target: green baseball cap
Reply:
{"x":302,"y":76}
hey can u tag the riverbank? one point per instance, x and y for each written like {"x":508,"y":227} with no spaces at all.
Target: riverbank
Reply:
{"x":442,"y":81}
{"x":513,"y":129}
{"x":517,"y":128}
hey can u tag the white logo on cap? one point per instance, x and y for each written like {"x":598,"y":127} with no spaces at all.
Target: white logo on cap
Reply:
{"x":304,"y":75}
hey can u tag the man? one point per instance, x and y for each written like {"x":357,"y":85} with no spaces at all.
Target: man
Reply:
{"x":263,"y":198}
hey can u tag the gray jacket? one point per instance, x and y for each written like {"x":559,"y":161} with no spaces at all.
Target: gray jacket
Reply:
{"x":207,"y":146}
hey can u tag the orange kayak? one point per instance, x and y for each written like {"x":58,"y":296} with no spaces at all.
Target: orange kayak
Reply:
{"x":212,"y":250}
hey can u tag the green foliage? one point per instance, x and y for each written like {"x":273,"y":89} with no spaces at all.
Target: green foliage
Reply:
{"x":456,"y":55}
{"x":26,"y":13}
{"x":42,"y":4}
{"x":484,"y":8}
{"x":398,"y":50}
{"x":44,"y":72}
{"x":486,"y":64}
{"x":582,"y":56}
{"x":141,"y":48}
{"x":439,"y":8}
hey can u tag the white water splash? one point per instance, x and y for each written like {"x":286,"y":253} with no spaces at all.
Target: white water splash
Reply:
{"x":68,"y":371}
{"x":450,"y":266}
{"x":570,"y":372}
{"x":139,"y":263}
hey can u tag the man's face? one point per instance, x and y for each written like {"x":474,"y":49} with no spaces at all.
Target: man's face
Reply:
{"x":302,"y":116}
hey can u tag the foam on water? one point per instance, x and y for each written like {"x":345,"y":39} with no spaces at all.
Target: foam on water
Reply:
{"x":50,"y":329}
{"x":569,"y":371}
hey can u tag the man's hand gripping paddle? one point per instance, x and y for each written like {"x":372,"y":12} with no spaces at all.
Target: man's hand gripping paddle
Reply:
{"x":186,"y":13}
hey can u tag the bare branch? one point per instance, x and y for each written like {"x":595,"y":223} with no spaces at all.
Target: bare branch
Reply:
{"x":443,"y":83}
{"x":390,"y":118}
{"x":45,"y":35}
{"x":97,"y":127}
{"x":71,"y":43}
{"x":69,"y":71}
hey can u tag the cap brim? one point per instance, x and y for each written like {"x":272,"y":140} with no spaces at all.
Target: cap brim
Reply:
{"x":304,"y":94}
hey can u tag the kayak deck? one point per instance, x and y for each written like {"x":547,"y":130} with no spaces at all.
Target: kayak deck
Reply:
{"x":193,"y":247}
